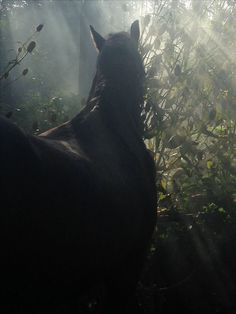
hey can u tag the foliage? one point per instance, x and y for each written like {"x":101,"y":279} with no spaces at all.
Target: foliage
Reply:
{"x":188,"y":49}
{"x":37,"y":114}
{"x":190,"y":102}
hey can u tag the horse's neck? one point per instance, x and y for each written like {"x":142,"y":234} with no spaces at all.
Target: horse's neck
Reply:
{"x":119,"y":111}
{"x":120,"y":107}
{"x":115,"y":115}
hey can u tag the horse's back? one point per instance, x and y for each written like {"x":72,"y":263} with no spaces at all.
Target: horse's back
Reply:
{"x":17,"y":160}
{"x":76,"y":191}
{"x":45,"y":218}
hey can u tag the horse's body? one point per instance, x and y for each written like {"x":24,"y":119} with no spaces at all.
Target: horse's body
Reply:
{"x":78,"y":202}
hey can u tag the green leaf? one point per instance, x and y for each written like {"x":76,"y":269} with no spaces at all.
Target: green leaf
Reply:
{"x":221,"y":210}
{"x":162,"y":196}
{"x":210,"y":164}
{"x":163,"y":183}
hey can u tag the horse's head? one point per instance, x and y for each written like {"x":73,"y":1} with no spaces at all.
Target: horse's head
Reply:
{"x":119,"y":62}
{"x":120,"y":73}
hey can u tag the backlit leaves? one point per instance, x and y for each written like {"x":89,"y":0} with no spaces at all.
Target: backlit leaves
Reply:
{"x":190,"y":79}
{"x":31,"y":46}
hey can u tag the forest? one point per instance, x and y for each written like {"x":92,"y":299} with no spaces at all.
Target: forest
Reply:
{"x":188,"y":48}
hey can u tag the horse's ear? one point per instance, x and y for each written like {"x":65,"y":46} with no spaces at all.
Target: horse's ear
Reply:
{"x":134,"y":31}
{"x":97,"y":38}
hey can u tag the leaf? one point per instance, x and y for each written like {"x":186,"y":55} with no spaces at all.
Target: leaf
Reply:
{"x":31,"y":46}
{"x":163,"y":183}
{"x":221,"y":210}
{"x":162,"y":196}
{"x":39,"y":27}
{"x":25,"y":71}
{"x":210,"y":164}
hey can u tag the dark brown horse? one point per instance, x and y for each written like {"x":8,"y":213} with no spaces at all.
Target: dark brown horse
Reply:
{"x":78,"y":202}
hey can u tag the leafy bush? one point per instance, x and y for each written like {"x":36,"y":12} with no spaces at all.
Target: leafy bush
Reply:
{"x":190,"y":102}
{"x":190,"y":106}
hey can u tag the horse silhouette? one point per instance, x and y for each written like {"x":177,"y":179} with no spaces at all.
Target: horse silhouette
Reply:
{"x":78,"y":202}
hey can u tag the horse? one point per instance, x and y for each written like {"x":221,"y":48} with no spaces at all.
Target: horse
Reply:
{"x":78,"y":202}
